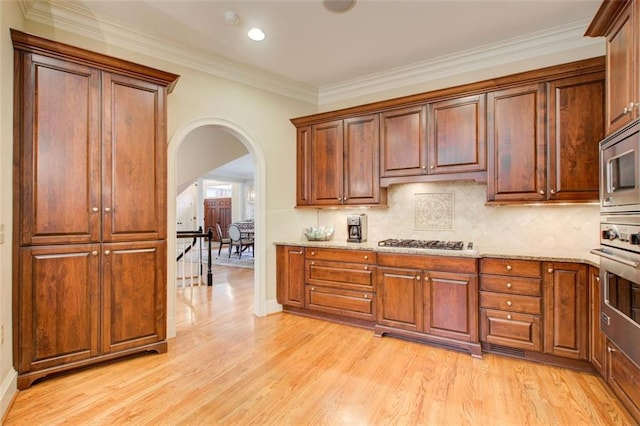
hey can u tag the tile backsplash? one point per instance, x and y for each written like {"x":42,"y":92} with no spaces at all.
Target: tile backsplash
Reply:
{"x":457,"y":211}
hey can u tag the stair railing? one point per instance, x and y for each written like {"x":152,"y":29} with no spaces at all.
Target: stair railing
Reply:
{"x":197,"y":239}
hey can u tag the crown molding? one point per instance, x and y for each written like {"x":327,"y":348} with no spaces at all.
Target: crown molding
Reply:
{"x":70,"y":17}
{"x":559,"y":39}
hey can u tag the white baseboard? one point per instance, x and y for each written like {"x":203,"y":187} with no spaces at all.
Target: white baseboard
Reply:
{"x":8,"y":390}
{"x":273,"y":306}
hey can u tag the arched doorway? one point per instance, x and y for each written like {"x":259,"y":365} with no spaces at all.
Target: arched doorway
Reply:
{"x":260,"y":300}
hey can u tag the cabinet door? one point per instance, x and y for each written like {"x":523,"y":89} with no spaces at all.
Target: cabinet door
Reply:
{"x":624,"y":379}
{"x":134,"y":160}
{"x":326,"y":163}
{"x":403,"y":149}
{"x":58,"y":304}
{"x":565,"y":321}
{"x":134,"y":294}
{"x":451,"y":305}
{"x":361,"y":160}
{"x":621,"y":74}
{"x":598,"y":340}
{"x":457,"y":136}
{"x":576,"y":126}
{"x":59,"y":157}
{"x":399,"y":298}
{"x":290,"y":276}
{"x":516,"y":169}
{"x":303,"y":166}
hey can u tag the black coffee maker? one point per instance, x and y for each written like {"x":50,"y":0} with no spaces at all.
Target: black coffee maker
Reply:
{"x":357,"y":228}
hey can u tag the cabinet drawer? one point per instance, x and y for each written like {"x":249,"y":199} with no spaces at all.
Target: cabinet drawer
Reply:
{"x":341,"y":275}
{"x":347,"y":303}
{"x":511,"y":303}
{"x":511,"y":285}
{"x":353,"y":256}
{"x":511,"y":267}
{"x":514,"y":330}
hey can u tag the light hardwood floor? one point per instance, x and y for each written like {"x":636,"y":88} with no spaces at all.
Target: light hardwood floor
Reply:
{"x":228,"y":367}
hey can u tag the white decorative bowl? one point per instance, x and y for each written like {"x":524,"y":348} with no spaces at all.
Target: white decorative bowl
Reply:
{"x":321,"y":233}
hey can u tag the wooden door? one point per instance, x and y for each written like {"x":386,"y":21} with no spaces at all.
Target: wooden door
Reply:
{"x":576,"y":127}
{"x":457,"y":136}
{"x":303,"y":166}
{"x":217,"y":210}
{"x":59,"y":181}
{"x":58,"y":317}
{"x":134,"y":160}
{"x":451,"y":305}
{"x":290,"y":276}
{"x":361,"y":160}
{"x":403,"y":142}
{"x":622,"y":87}
{"x":327,"y":163}
{"x":399,"y":298}
{"x":566,"y":310}
{"x":598,"y":347}
{"x":516,"y":167}
{"x":133,"y":295}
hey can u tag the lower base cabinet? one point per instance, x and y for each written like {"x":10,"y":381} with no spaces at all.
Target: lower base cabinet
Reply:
{"x":624,"y":378}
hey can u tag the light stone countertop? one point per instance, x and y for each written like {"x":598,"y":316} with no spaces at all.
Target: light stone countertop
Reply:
{"x":480,"y":252}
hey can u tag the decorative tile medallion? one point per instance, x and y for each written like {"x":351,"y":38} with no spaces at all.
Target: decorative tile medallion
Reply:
{"x":434,"y":211}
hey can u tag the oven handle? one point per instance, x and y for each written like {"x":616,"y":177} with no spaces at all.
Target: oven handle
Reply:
{"x":602,"y":253}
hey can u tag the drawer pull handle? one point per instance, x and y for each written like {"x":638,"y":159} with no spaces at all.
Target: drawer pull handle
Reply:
{"x":509,"y":285}
{"x":509,"y":303}
{"x":509,"y":267}
{"x":509,"y":316}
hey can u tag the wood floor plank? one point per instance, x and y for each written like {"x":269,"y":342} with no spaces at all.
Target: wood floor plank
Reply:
{"x":228,"y":367}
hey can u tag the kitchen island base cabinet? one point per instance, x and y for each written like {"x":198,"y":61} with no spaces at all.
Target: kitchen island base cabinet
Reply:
{"x":428,"y":298}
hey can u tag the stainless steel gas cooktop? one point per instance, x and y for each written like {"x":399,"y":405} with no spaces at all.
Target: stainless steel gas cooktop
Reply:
{"x":425,"y":244}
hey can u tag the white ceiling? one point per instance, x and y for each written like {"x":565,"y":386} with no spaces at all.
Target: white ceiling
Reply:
{"x":310,"y":52}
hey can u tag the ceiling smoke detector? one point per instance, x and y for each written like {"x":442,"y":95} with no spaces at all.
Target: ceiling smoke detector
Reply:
{"x":338,"y":6}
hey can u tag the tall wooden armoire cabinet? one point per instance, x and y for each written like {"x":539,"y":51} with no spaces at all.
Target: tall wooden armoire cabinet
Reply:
{"x":90,"y":144}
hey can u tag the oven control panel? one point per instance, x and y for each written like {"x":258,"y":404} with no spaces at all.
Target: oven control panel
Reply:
{"x":624,"y":236}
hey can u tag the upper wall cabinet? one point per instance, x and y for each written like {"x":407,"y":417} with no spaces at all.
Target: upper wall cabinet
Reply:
{"x":338,"y":163}
{"x":533,"y":137}
{"x":618,"y":22}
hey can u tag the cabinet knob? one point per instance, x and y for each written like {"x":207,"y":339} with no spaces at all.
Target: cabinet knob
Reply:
{"x":625,"y":110}
{"x":345,"y":198}
{"x":95,"y":209}
{"x":107,"y":209}
{"x":313,"y":289}
{"x":553,"y":191}
{"x":424,"y":167}
{"x":366,"y":268}
{"x":509,"y":316}
{"x":418,"y":278}
{"x":541,"y":192}
{"x":313,"y":253}
{"x":509,"y":285}
{"x":610,"y":349}
{"x":339,"y":198}
{"x":313,"y":263}
{"x":509,"y":267}
{"x":550,"y":270}
{"x":107,"y":252}
{"x":432,"y":167}
{"x":597,"y":279}
{"x":95,"y":253}
{"x":366,"y":296}
{"x":509,"y":303}
{"x":366,"y":257}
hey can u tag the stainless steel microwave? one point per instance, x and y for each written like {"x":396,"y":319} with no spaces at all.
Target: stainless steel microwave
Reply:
{"x":620,"y":171}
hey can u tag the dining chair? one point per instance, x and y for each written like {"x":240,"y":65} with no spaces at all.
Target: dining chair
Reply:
{"x":223,"y":240}
{"x":241,"y":244}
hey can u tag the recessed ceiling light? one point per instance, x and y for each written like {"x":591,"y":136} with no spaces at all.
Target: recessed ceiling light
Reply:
{"x":338,"y":6}
{"x":256,"y":34}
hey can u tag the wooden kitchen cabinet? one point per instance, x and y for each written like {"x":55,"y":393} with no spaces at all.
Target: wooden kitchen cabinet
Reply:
{"x":90,"y":211}
{"x":457,"y":135}
{"x":429,"y":298}
{"x":290,"y":276}
{"x":340,"y":282}
{"x":566,"y":310}
{"x":516,"y":167}
{"x":511,"y":305}
{"x":597,"y":339}
{"x":403,"y":149}
{"x":624,"y":378}
{"x":618,"y":22}
{"x":338,"y":163}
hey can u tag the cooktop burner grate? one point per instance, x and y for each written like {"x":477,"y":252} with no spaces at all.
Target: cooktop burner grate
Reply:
{"x":424,"y":244}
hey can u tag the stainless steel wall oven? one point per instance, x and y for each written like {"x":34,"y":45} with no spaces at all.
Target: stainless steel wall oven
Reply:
{"x":620,"y":239}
